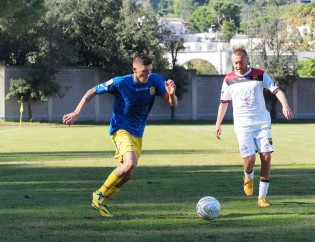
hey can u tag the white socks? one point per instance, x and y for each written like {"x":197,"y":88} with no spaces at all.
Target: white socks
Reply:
{"x":263,"y":186}
{"x":249,"y":175}
{"x":263,"y":189}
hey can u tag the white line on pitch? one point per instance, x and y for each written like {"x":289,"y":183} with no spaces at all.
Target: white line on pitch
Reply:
{"x":7,"y":130}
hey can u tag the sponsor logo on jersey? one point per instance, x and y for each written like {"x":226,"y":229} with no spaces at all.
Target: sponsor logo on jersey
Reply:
{"x":141,"y":89}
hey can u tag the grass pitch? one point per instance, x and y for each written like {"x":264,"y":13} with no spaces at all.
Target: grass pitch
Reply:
{"x":48,"y":174}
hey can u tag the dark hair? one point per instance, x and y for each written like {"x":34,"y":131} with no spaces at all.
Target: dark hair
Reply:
{"x":239,"y":51}
{"x":142,"y":59}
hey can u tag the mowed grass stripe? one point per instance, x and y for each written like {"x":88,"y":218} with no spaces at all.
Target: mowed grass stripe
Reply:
{"x":47,"y":176}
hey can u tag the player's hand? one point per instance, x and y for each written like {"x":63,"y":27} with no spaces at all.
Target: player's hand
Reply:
{"x":287,"y":113}
{"x":170,"y":87}
{"x":70,"y":118}
{"x":217,"y":132}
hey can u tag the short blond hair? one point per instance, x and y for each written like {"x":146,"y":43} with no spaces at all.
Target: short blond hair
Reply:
{"x":240,"y":51}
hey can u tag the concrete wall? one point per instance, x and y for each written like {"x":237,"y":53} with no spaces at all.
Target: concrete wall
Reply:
{"x":2,"y":90}
{"x":199,"y":103}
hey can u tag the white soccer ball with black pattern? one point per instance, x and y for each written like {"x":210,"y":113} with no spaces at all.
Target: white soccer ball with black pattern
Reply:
{"x":208,"y":208}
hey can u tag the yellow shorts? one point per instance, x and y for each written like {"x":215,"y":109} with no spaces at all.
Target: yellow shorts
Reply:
{"x":125,"y":142}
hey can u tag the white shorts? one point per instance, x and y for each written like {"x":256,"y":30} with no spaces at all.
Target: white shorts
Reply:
{"x":250,"y":142}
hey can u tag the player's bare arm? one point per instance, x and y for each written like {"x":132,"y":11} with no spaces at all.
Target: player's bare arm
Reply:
{"x":170,"y":95}
{"x":70,"y":118}
{"x":221,"y":113}
{"x":285,"y":106}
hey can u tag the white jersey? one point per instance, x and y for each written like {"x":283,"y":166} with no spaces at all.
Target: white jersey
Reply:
{"x":246,"y":94}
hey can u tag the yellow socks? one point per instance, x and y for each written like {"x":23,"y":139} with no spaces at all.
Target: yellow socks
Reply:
{"x":108,"y":188}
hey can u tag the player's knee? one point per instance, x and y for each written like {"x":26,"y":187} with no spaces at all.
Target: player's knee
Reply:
{"x":249,"y":159}
{"x":266,"y":157}
{"x":130,"y":166}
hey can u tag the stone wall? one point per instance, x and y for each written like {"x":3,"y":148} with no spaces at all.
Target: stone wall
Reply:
{"x":199,"y":103}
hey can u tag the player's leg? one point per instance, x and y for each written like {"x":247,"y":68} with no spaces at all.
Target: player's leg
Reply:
{"x":248,"y":151}
{"x":248,"y":164}
{"x":128,"y":149}
{"x":265,"y":158}
{"x":265,"y":147}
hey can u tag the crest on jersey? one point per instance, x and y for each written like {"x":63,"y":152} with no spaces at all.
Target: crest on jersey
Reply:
{"x":152,"y":91}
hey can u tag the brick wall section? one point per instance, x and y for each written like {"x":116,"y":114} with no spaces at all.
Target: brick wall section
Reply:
{"x":199,"y":103}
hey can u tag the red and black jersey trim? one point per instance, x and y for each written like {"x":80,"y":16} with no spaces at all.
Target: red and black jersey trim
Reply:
{"x":236,"y":80}
{"x":253,"y":75}
{"x":225,"y":101}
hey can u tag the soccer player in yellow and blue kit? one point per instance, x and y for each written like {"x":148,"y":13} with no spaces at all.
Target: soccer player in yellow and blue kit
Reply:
{"x":134,"y":97}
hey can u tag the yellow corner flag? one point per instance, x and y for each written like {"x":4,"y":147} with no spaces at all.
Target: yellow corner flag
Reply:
{"x":21,"y":112}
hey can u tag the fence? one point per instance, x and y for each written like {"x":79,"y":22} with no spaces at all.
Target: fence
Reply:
{"x":199,"y":103}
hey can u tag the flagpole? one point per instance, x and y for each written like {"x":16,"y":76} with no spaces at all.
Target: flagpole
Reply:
{"x":21,"y":112}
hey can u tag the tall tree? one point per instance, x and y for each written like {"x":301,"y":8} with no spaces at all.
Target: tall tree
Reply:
{"x":23,"y":44}
{"x":184,"y":8}
{"x":203,"y":18}
{"x":227,"y":11}
{"x":174,"y":43}
{"x":281,"y":63}
{"x":301,"y":21}
{"x":19,"y":15}
{"x":228,"y":17}
{"x":166,"y":7}
{"x":139,"y":31}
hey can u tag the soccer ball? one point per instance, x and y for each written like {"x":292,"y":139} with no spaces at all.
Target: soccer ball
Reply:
{"x":208,"y":208}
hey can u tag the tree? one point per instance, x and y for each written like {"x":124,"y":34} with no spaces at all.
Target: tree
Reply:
{"x":184,"y":8}
{"x":282,"y":64}
{"x":227,"y":11}
{"x":88,"y":26}
{"x":307,"y":68}
{"x":23,"y":44}
{"x":174,"y":43}
{"x":180,"y":77}
{"x":17,"y":16}
{"x":203,"y":18}
{"x":37,"y":86}
{"x":105,"y":34}
{"x":166,"y":7}
{"x":202,"y":67}
{"x":139,"y":31}
{"x":228,"y":17}
{"x":228,"y":29}
{"x":299,"y":17}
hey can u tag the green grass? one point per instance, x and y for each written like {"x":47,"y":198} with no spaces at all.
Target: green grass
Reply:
{"x":48,"y":173}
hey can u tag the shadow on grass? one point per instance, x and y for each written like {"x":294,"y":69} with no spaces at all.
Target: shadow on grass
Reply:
{"x":158,"y":204}
{"x":149,"y":184}
{"x":35,"y":156}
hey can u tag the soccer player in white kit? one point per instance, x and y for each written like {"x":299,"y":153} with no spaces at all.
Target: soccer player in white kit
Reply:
{"x":244,"y":88}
